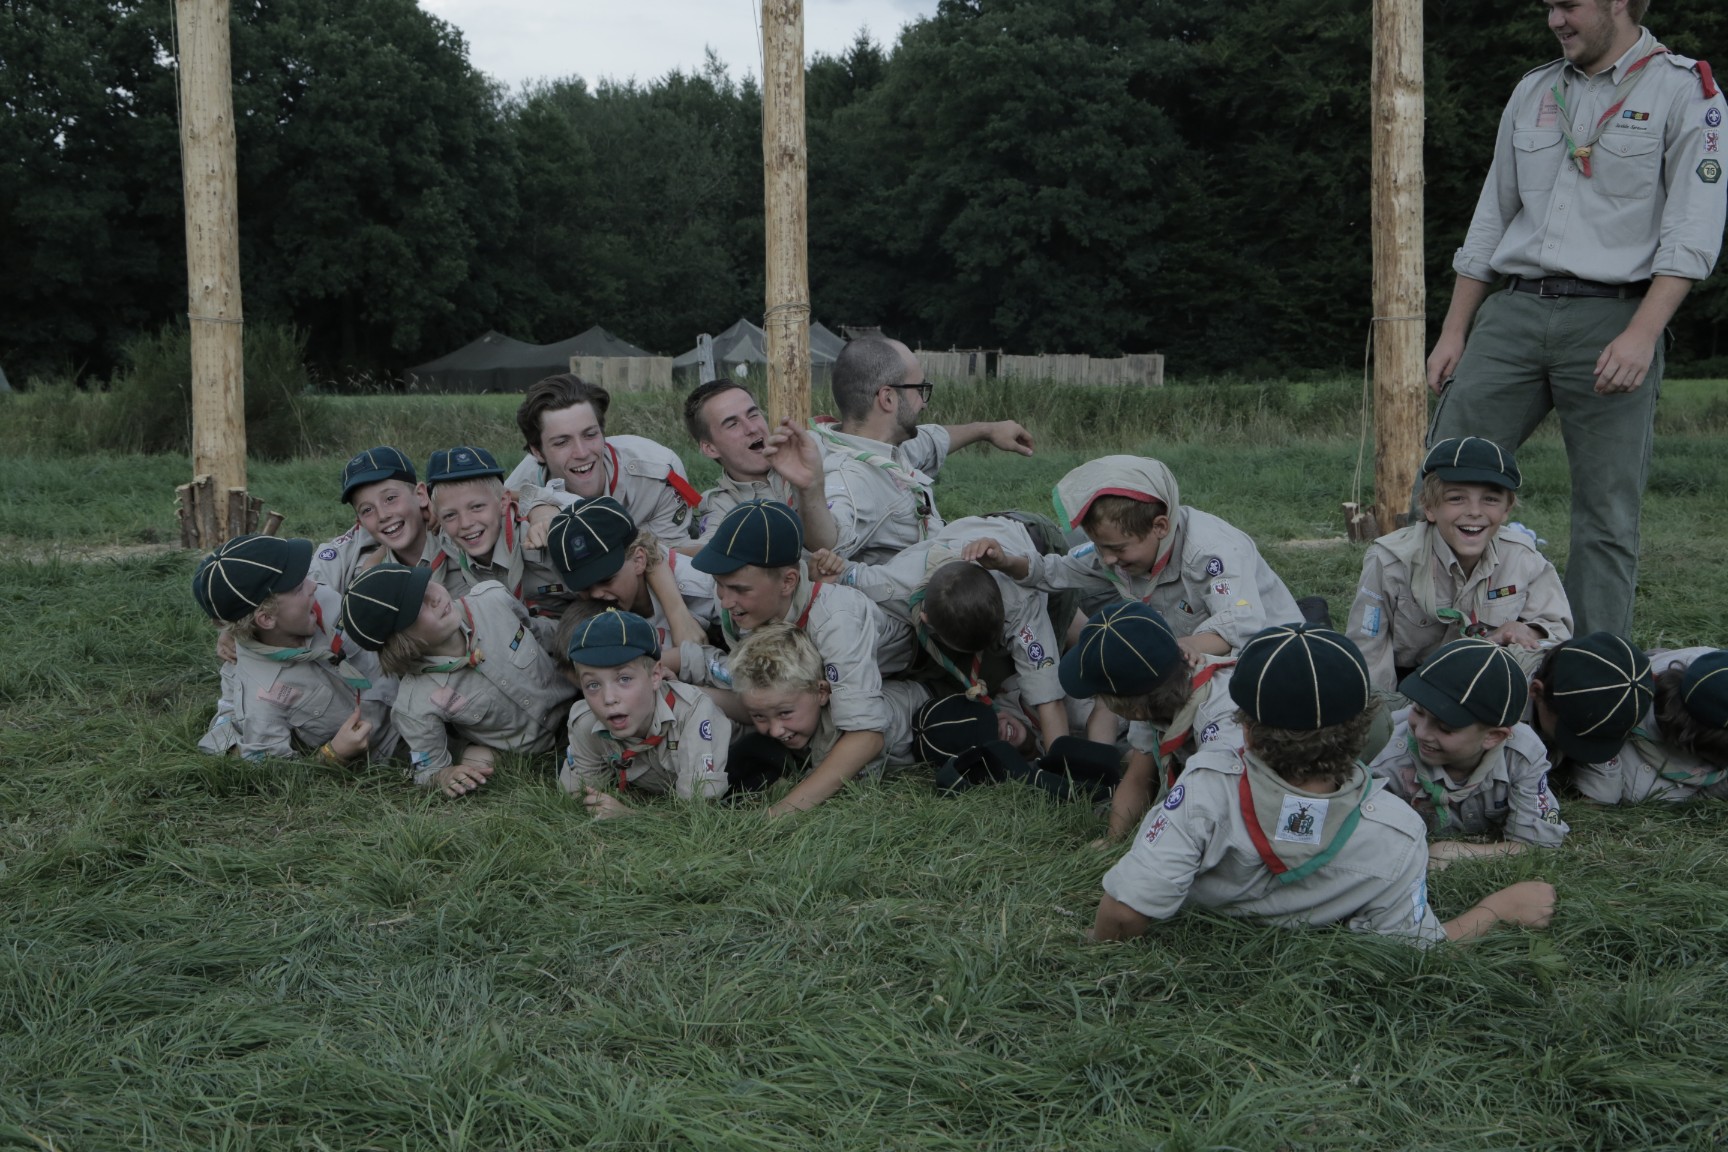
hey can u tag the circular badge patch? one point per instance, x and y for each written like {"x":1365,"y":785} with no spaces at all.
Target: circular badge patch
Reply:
{"x":1214,"y":567}
{"x":327,"y":554}
{"x":1210,"y":732}
{"x":832,"y":673}
{"x":706,"y":729}
{"x":1035,"y":651}
{"x":1174,"y":800}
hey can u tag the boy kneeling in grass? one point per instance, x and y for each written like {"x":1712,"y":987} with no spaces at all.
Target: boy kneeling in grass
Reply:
{"x":634,"y":726}
{"x":474,"y":681}
{"x":1461,"y":759}
{"x":1291,"y":829}
{"x":779,"y":678}
{"x":295,"y":684}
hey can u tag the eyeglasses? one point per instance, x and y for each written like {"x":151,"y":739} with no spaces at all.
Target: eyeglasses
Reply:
{"x":923,"y":389}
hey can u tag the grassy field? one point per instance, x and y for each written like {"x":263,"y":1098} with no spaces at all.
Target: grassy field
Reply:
{"x":205,"y":954}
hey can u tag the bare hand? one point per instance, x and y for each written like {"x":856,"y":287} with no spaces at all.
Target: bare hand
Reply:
{"x":539,"y":524}
{"x":1529,"y":902}
{"x":1624,"y":363}
{"x":795,"y":455}
{"x":1443,"y":361}
{"x":1515,"y":633}
{"x":985,"y":552}
{"x":350,"y":739}
{"x":604,"y":805}
{"x":225,"y":646}
{"x":826,"y":566}
{"x":1009,"y":436}
{"x":462,"y":777}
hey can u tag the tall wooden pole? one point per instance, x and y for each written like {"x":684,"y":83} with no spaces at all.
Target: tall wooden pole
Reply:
{"x":212,"y":253}
{"x":1400,"y":390}
{"x":787,"y":318}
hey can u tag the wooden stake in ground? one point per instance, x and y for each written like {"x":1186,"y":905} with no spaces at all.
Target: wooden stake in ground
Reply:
{"x":787,"y":318}
{"x":212,"y":253}
{"x":1400,"y":388}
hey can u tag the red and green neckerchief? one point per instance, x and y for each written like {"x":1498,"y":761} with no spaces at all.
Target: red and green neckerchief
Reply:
{"x":1274,"y":864}
{"x":474,"y":657}
{"x":973,"y":681}
{"x":624,"y":755}
{"x":1174,"y":738}
{"x":1580,"y":153}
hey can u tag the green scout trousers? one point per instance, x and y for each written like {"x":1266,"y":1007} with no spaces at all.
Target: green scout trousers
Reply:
{"x":1528,"y":354}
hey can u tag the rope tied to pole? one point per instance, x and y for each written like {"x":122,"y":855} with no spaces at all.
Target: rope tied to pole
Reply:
{"x":216,"y":319}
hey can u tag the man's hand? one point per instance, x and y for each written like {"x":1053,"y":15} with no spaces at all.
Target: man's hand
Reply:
{"x":1443,"y":361}
{"x":795,"y":455}
{"x":350,"y":739}
{"x":826,"y":566}
{"x":539,"y":524}
{"x":1009,"y":436}
{"x":1515,"y":633}
{"x":1624,"y":363}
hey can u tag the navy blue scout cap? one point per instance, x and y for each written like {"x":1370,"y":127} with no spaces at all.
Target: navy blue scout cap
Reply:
{"x":1469,"y":681}
{"x":763,"y":533}
{"x":463,"y":463}
{"x":947,"y":726}
{"x":373,"y":465}
{"x":1300,"y":677}
{"x":588,"y":541}
{"x":1704,"y":689}
{"x":382,"y":601}
{"x":1125,"y":649}
{"x":1597,"y":687}
{"x":612,"y":638}
{"x":1472,"y":460}
{"x":246,"y":571}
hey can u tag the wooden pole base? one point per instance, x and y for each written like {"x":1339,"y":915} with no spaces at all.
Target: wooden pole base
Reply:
{"x":1359,"y":523}
{"x":207,"y":521}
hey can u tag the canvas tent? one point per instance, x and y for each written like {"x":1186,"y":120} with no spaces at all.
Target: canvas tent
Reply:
{"x":745,"y":346}
{"x":499,"y":363}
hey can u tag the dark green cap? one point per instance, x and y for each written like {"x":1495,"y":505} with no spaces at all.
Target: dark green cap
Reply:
{"x":1704,"y":689}
{"x":1598,"y":687}
{"x":463,"y":463}
{"x":1125,"y":649}
{"x":949,"y":725}
{"x":373,"y":465}
{"x":383,"y":600}
{"x":611,"y":638}
{"x":1472,"y":460}
{"x":763,"y":533}
{"x":246,"y":571}
{"x":1470,"y":681}
{"x":1300,"y":677}
{"x":588,"y":541}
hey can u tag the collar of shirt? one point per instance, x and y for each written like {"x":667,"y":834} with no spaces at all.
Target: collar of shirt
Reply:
{"x":1616,"y":71}
{"x":1493,"y":761}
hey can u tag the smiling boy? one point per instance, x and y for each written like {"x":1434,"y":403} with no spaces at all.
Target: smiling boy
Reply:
{"x":1456,"y":572}
{"x":481,"y":532}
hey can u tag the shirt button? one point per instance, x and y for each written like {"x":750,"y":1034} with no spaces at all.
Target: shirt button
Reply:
{"x":1367,"y":807}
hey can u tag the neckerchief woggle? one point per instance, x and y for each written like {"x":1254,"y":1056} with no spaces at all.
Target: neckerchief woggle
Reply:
{"x":972,"y":682}
{"x":1580,"y":153}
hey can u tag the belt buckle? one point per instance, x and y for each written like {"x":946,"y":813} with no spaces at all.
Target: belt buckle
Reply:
{"x":1542,"y":291}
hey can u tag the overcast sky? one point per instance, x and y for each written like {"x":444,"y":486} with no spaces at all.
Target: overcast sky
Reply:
{"x":517,"y":40}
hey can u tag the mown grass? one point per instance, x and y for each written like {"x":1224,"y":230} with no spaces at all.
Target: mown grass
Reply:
{"x":204,"y":954}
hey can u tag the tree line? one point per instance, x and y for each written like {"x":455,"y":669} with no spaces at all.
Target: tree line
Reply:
{"x":1102,"y":176}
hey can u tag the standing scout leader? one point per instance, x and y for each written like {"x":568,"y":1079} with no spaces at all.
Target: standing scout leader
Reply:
{"x":1604,"y":205}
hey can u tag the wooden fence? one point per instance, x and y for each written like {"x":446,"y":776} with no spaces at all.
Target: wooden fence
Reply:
{"x":1076,"y":369}
{"x":625,"y":373}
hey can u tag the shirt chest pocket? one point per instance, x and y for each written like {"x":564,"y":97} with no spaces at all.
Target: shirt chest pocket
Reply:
{"x":1538,"y":154}
{"x":1626,"y":165}
{"x":1502,"y":606}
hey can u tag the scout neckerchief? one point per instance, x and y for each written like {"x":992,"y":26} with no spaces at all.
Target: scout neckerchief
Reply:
{"x":1414,"y":545}
{"x":807,"y":591}
{"x":1580,"y":153}
{"x":1135,"y":477}
{"x":513,"y":557}
{"x":1251,"y":816}
{"x":972,"y":681}
{"x":673,"y":481}
{"x":1177,"y":733}
{"x":1653,"y":752}
{"x":905,"y":478}
{"x":1443,"y":797}
{"x":335,"y":655}
{"x":636,"y":746}
{"x":474,"y":657}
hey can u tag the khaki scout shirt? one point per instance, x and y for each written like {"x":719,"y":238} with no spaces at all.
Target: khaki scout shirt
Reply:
{"x":1512,"y":581}
{"x":285,"y":705}
{"x":1027,"y":635}
{"x":335,"y":562}
{"x":1195,"y":849}
{"x":1216,"y":581}
{"x":1212,"y":723}
{"x":881,"y":510}
{"x":525,"y":572}
{"x":729,"y":493}
{"x":647,"y":478}
{"x":1653,"y":204}
{"x":697,"y":590}
{"x":513,"y":700}
{"x":1507,"y":795}
{"x":847,"y":630}
{"x":1647,"y":767}
{"x":683,"y":751}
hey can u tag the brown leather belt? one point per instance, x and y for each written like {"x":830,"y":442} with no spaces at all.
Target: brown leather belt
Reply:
{"x":1551,"y":286}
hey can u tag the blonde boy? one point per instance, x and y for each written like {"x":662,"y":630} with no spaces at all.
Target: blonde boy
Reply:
{"x":481,"y":534}
{"x":296,"y":686}
{"x":1457,"y":573}
{"x":634,"y":727}
{"x":1462,"y":760}
{"x":473,"y":679}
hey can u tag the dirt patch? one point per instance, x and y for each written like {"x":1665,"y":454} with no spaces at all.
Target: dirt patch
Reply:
{"x":31,"y":553}
{"x":1317,"y":542}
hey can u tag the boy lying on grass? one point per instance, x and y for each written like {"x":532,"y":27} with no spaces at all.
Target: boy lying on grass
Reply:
{"x":1461,"y":759}
{"x":1291,"y":829}
{"x":634,"y":726}
{"x":294,"y":684}
{"x":474,"y":681}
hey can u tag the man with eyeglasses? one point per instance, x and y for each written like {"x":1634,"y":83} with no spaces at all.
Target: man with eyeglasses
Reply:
{"x":881,"y":463}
